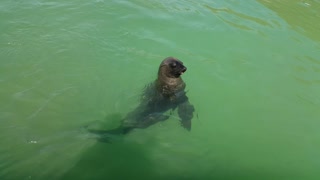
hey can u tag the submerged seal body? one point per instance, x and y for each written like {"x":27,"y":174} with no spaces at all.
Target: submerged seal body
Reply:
{"x":167,"y":92}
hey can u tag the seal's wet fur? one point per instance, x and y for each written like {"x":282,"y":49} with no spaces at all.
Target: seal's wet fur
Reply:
{"x":167,"y":92}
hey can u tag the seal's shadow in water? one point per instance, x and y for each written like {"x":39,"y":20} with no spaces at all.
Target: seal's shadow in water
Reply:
{"x":119,"y":161}
{"x":130,"y":160}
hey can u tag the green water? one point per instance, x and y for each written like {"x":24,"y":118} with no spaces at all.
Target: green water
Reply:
{"x":253,"y":77}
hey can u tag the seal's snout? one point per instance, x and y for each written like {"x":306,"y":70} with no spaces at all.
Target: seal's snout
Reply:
{"x":184,"y":69}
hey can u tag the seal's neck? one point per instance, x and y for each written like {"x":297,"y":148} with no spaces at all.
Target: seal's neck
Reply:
{"x":169,"y":87}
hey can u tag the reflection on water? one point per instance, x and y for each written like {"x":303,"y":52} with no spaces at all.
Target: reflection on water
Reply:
{"x":241,"y":16}
{"x":253,"y":76}
{"x":302,"y":16}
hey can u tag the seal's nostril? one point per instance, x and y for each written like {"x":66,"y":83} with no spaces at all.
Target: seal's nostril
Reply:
{"x":184,"y":69}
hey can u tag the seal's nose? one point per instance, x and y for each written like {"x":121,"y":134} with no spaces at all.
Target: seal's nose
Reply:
{"x":184,"y":69}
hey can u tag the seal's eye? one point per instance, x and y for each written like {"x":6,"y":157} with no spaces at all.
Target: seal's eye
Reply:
{"x":173,"y":65}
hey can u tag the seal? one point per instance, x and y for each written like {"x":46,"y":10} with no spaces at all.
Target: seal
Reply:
{"x":166,"y":93}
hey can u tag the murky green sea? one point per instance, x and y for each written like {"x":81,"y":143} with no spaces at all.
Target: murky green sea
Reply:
{"x":253,"y":77}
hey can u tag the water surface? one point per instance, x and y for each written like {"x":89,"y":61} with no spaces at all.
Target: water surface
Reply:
{"x":253,"y":77}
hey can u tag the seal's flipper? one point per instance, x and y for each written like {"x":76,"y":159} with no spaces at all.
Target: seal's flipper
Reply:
{"x":185,"y":111}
